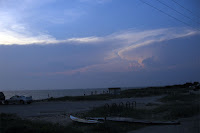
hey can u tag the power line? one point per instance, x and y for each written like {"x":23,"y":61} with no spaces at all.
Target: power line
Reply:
{"x":178,"y":11}
{"x":186,"y":9}
{"x":169,"y":15}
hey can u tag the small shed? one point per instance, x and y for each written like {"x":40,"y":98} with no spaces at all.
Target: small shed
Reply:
{"x":114,"y":91}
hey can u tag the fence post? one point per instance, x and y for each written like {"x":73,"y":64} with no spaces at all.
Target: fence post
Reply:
{"x":128,"y":104}
{"x":134,"y":104}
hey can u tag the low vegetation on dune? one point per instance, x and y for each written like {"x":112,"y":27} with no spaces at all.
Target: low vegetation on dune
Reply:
{"x":156,"y":91}
{"x":108,"y":127}
{"x":181,"y":98}
{"x":10,"y":123}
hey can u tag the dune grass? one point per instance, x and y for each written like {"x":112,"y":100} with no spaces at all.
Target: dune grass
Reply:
{"x":108,"y":127}
{"x":10,"y":123}
{"x":181,"y":98}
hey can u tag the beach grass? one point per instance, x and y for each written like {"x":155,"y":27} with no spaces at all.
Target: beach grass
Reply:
{"x":108,"y":127}
{"x":10,"y":123}
{"x":181,"y":98}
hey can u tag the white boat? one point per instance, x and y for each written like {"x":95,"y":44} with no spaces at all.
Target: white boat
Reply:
{"x":83,"y":120}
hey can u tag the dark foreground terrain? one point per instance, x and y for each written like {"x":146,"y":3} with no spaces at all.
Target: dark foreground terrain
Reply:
{"x":179,"y":102}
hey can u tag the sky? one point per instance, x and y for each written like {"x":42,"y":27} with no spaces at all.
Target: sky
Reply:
{"x":73,"y":44}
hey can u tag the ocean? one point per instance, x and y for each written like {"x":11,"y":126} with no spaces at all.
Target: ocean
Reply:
{"x":43,"y":94}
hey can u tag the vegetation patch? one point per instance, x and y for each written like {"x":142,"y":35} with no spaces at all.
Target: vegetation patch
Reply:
{"x":107,"y":127}
{"x":181,"y":98}
{"x":12,"y":124}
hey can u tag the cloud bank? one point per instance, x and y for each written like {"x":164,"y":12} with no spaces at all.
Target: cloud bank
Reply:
{"x":130,"y":45}
{"x":124,"y":51}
